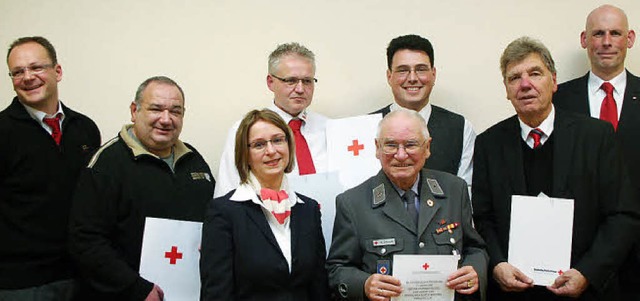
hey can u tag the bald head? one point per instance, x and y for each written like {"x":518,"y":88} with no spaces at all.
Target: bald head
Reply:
{"x":606,"y":11}
{"x":607,"y":38}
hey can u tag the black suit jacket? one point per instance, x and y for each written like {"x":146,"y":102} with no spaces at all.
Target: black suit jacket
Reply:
{"x":573,"y":96}
{"x":586,"y":168}
{"x":241,"y":259}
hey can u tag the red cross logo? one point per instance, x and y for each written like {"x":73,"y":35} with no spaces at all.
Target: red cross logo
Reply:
{"x":355,"y":147}
{"x":173,"y":255}
{"x":425,"y":266}
{"x":383,"y":270}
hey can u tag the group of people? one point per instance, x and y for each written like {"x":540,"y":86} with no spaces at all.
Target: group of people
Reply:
{"x":72,"y":211}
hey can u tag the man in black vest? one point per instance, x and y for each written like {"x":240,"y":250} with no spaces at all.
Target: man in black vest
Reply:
{"x":606,"y":38}
{"x":411,"y":75}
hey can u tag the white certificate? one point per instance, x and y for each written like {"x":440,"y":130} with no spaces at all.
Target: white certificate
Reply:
{"x":424,"y":277}
{"x":351,"y":148}
{"x":540,"y":236}
{"x":170,"y":257}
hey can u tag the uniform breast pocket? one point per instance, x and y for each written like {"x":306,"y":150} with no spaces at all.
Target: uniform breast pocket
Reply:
{"x":447,"y":242}
{"x":378,"y":250}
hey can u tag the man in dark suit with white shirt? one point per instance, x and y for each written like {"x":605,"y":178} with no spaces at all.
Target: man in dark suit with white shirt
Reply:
{"x":606,"y":38}
{"x":560,"y":154}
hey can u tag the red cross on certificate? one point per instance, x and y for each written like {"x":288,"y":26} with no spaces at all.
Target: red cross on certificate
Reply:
{"x":425,"y":266}
{"x":173,"y":255}
{"x":355,"y":147}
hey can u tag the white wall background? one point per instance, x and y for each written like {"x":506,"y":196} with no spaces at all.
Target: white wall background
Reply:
{"x":217,"y":51}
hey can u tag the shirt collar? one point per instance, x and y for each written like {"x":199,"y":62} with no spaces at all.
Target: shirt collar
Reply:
{"x":546,"y":126}
{"x":249,"y":191}
{"x":619,"y":82}
{"x":414,"y":187}
{"x":179,"y":148}
{"x":39,"y":115}
{"x":286,"y":116}
{"x":425,"y":112}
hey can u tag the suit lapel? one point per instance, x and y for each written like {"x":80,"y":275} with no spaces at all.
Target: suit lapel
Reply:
{"x":563,"y":130}
{"x":512,"y":154}
{"x":295,"y":225}
{"x":631,"y":103}
{"x":393,"y":206}
{"x":257,"y":217}
{"x":427,"y":212}
{"x":580,"y":96}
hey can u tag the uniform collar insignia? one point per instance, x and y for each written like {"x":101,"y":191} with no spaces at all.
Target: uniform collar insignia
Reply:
{"x":435,"y":188}
{"x":379,"y":195}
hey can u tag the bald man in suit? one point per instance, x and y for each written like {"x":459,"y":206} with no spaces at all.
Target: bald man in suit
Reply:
{"x":606,"y":38}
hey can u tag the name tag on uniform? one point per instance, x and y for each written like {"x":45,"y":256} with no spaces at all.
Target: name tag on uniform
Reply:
{"x":384,"y":242}
{"x":200,"y":176}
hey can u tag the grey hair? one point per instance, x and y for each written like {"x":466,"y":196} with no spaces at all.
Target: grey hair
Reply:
{"x":155,"y":79}
{"x":408,"y":113}
{"x":521,"y":48}
{"x":292,"y":48}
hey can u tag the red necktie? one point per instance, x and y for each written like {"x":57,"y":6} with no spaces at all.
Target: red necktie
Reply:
{"x":536,"y":134}
{"x":54,"y":124}
{"x":305,"y":163}
{"x":608,"y":109}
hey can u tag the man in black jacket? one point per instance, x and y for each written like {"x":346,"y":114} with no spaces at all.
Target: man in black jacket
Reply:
{"x":45,"y":145}
{"x":560,"y":154}
{"x":146,"y":171}
{"x":606,"y":38}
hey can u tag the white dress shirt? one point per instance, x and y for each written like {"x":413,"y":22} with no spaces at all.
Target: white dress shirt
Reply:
{"x":248,"y":193}
{"x":313,"y":129}
{"x":465,"y":169}
{"x":546,"y":127}
{"x":39,"y":116}
{"x":597,"y":95}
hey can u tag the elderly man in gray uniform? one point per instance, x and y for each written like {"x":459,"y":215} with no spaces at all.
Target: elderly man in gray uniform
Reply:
{"x":403,"y":206}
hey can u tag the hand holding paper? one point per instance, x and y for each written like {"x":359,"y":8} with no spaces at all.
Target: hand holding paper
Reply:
{"x":156,"y":294}
{"x":570,"y":284}
{"x":510,"y":278}
{"x":382,"y":287}
{"x":464,"y":280}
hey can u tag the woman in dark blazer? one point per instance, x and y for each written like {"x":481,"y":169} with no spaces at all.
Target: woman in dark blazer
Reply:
{"x":262,"y":241}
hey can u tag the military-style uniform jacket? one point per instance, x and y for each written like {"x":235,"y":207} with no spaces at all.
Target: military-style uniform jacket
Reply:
{"x":372,"y":225}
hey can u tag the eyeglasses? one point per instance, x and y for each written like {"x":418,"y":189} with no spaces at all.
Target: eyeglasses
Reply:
{"x":293,"y":81}
{"x":260,"y":145}
{"x":35,"y":69}
{"x":410,"y":147}
{"x":420,"y":70}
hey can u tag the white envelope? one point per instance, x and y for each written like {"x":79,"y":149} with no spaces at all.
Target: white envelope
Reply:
{"x":540,"y":236}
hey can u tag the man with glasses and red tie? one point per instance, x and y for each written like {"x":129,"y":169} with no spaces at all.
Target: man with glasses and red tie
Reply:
{"x":544,"y":150}
{"x":292,"y":80}
{"x":45,"y":145}
{"x":411,"y":74}
{"x":611,"y":93}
